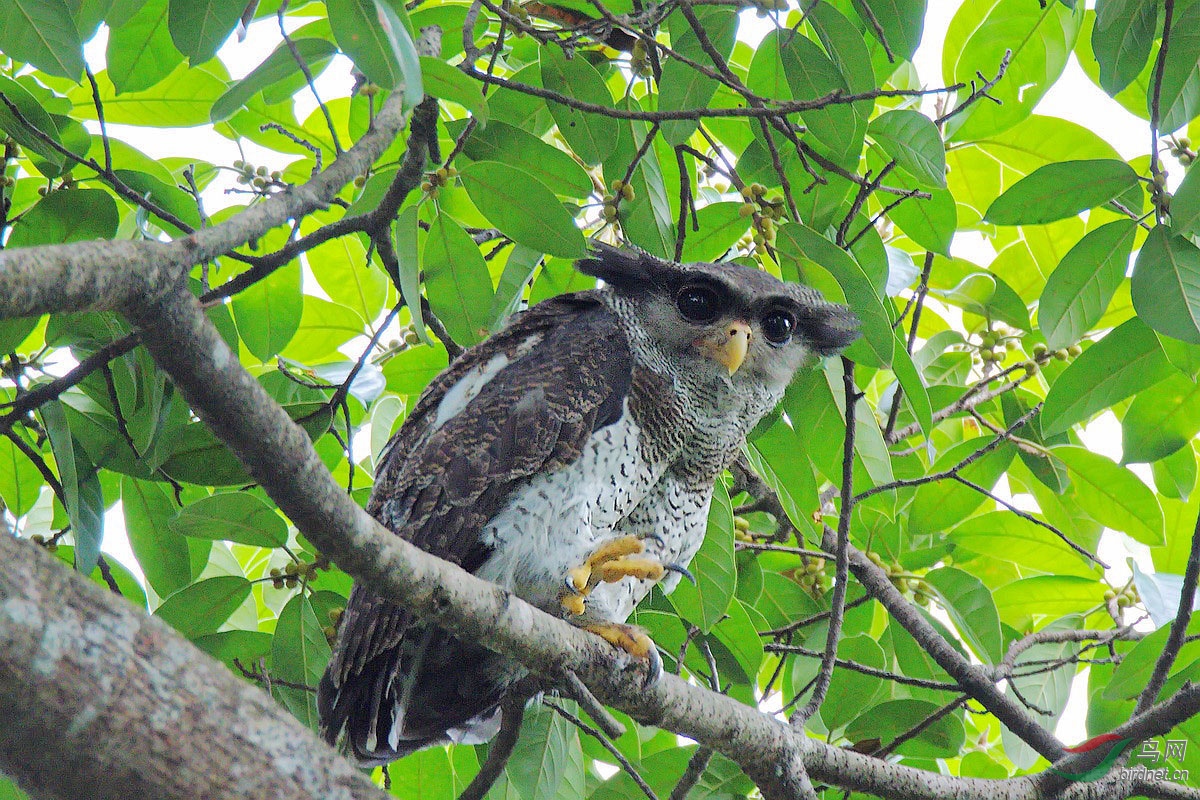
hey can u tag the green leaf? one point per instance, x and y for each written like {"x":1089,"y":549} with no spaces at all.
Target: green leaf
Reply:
{"x":510,"y":145}
{"x":1166,"y":284}
{"x":1175,"y":475}
{"x":1121,"y":40}
{"x":411,"y":371}
{"x":449,"y":83}
{"x":1179,"y":98}
{"x":245,"y":646}
{"x":20,"y":481}
{"x":1047,"y":596}
{"x":36,"y":120}
{"x":1040,"y":38}
{"x":969,"y":604}
{"x":901,"y":21}
{"x":850,"y":691}
{"x":1081,"y":287}
{"x":408,"y":256}
{"x":546,"y":762}
{"x":1185,"y":205}
{"x":182,"y":99}
{"x":349,"y":279}
{"x":67,"y":215}
{"x":299,"y":653}
{"x":323,"y":328}
{"x":378,"y":43}
{"x":738,"y":632}
{"x":592,"y":137}
{"x":940,"y":736}
{"x":233,"y":517}
{"x":913,"y":141}
{"x":721,"y":225}
{"x":1007,"y":537}
{"x":277,"y":67}
{"x":201,"y":608}
{"x":941,"y":504}
{"x":812,"y":76}
{"x":1135,"y":669}
{"x":646,"y":220}
{"x":523,"y":209}
{"x":14,"y":331}
{"x":43,"y":33}
{"x":714,"y":567}
{"x":162,"y":554}
{"x":773,"y":456}
{"x":198,"y":27}
{"x":140,"y":52}
{"x":930,"y":223}
{"x":1161,"y":420}
{"x":268,"y":313}
{"x":1123,"y":363}
{"x":682,"y":87}
{"x":1113,"y":496}
{"x":457,"y":281}
{"x":1061,"y":190}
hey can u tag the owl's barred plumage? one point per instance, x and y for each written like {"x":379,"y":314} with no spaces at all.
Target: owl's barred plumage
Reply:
{"x":591,"y":416}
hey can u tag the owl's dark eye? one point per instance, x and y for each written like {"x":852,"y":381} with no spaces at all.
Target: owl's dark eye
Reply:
{"x":698,"y":304}
{"x":778,"y":326}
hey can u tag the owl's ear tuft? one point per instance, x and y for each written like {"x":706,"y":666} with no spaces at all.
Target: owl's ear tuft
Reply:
{"x":827,"y":328}
{"x":623,"y":269}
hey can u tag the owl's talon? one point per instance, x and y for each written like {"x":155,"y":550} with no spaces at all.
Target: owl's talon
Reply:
{"x":632,"y":641}
{"x":681,"y":570}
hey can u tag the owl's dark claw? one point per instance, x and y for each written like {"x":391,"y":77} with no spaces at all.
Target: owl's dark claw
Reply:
{"x":682,"y":570}
{"x":654,"y":667}
{"x":654,"y":537}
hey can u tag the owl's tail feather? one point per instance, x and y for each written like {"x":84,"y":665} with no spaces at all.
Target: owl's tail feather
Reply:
{"x":437,"y":692}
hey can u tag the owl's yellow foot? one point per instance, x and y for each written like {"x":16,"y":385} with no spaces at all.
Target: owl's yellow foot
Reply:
{"x":633,"y":641}
{"x":610,"y":562}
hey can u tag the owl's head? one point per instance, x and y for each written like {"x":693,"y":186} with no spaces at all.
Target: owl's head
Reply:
{"x":725,"y":321}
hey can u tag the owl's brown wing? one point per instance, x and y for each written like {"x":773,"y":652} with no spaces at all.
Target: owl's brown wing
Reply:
{"x":522,"y":403}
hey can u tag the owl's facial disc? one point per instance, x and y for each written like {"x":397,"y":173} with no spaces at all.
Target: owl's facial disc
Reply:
{"x":728,"y":345}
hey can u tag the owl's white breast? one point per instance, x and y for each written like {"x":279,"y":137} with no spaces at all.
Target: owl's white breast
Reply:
{"x":558,"y":518}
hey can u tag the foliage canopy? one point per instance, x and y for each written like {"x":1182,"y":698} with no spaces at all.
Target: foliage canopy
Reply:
{"x":806,"y":144}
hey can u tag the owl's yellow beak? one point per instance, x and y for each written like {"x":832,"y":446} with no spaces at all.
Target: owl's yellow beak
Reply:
{"x":729,"y":346}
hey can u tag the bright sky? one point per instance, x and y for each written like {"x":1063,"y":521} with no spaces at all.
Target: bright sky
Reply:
{"x":1073,"y":97}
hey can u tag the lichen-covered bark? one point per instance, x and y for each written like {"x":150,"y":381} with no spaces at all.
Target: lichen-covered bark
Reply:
{"x":99,"y":700}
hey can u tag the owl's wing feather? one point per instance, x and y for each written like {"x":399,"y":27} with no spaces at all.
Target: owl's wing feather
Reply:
{"x":541,"y":387}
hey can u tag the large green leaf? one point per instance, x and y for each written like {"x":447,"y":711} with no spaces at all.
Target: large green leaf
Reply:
{"x":268,"y":313}
{"x":457,"y":281}
{"x":850,"y":691}
{"x":682,"y":87}
{"x":42,"y":33}
{"x":1126,"y":361}
{"x":182,"y":99}
{"x":162,"y":553}
{"x":31,"y":125}
{"x":299,"y":652}
{"x":939,"y":505}
{"x":1166,"y":284}
{"x":1179,"y":98}
{"x":1161,"y":420}
{"x":20,"y":481}
{"x":523,"y":209}
{"x":939,"y":737}
{"x":198,"y":27}
{"x":546,"y":762}
{"x":812,"y":75}
{"x":508,"y":144}
{"x":277,"y":67}
{"x":901,"y":24}
{"x":1080,"y":288}
{"x":140,"y":52}
{"x":592,"y":137}
{"x":1040,"y":38}
{"x":1005,"y":536}
{"x":68,"y":215}
{"x":234,"y":517}
{"x":1047,"y":596}
{"x":203,"y":607}
{"x":1112,"y":495}
{"x":913,"y":141}
{"x":1121,"y":39}
{"x":377,"y":39}
{"x":1185,"y":205}
{"x":449,"y":83}
{"x":721,"y":225}
{"x":969,"y":603}
{"x":1060,"y":190}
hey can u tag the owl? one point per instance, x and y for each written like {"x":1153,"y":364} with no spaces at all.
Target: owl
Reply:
{"x":569,"y":458}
